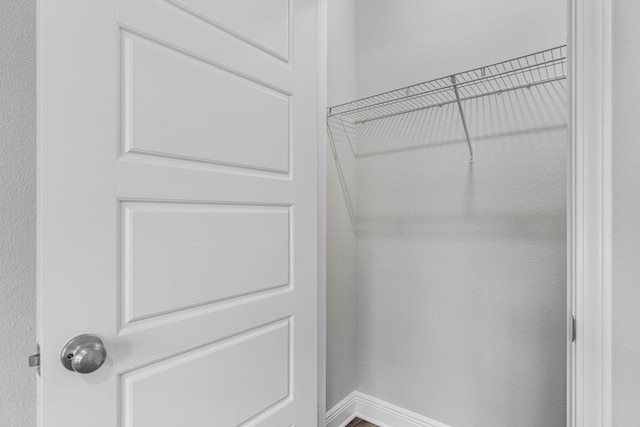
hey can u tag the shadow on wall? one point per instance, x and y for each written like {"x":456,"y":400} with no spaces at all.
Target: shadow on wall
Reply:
{"x":341,"y":136}
{"x":462,"y":267}
{"x":500,"y":126}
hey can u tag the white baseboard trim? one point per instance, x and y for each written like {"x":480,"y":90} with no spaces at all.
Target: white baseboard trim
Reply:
{"x":341,"y":414}
{"x":385,"y":414}
{"x":376,"y":411}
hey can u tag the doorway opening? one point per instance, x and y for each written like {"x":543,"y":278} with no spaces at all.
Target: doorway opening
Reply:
{"x":446,"y":213}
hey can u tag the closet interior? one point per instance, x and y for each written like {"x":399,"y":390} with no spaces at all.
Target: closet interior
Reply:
{"x":446,"y":213}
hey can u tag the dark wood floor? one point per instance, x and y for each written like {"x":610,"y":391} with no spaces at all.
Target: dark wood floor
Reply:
{"x":357,"y":422}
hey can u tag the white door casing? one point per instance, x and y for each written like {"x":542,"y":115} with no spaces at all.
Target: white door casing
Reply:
{"x":590,"y":212}
{"x":178,"y":209}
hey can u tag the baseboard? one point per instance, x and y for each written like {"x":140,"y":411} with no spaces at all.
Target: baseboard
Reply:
{"x":385,"y":414}
{"x":341,"y":414}
{"x":376,"y":411}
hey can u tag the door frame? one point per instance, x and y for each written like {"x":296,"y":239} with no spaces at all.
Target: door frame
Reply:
{"x":322,"y":30}
{"x":589,"y":211}
{"x":589,"y":207}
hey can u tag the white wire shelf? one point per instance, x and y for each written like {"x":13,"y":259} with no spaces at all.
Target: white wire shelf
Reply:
{"x":519,"y":73}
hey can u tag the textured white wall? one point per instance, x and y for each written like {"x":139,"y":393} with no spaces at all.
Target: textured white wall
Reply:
{"x":341,"y":240}
{"x":17,"y":211}
{"x":626,"y":213}
{"x":403,"y":42}
{"x":461,"y":269}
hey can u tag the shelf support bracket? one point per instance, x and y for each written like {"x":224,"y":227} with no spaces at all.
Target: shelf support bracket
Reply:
{"x":464,"y":121}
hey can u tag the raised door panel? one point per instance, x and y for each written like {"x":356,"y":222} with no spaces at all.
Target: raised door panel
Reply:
{"x":224,"y":384}
{"x":179,"y":106}
{"x":184,"y":255}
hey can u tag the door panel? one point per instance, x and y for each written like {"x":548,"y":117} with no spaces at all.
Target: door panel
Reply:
{"x":178,"y":211}
{"x":184,"y":255}
{"x":231,"y":382}
{"x":178,"y":106}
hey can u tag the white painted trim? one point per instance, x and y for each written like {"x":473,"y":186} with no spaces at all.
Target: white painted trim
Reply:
{"x":376,"y":411}
{"x":385,"y":414}
{"x":322,"y":206}
{"x":589,"y":213}
{"x":341,"y":414}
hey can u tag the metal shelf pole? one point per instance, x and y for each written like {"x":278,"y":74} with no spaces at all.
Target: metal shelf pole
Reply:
{"x":464,"y":121}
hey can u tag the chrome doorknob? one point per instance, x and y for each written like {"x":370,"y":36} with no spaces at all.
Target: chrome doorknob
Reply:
{"x":84,"y":354}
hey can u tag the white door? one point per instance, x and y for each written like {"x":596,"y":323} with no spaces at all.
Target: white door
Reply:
{"x":178,"y":211}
